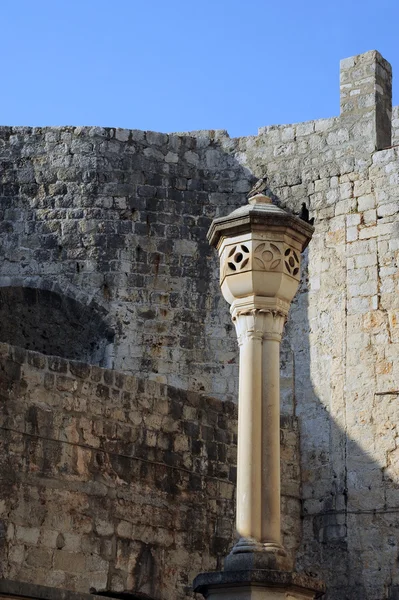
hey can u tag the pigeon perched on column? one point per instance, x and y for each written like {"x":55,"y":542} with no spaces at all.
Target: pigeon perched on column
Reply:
{"x":304,"y":214}
{"x":258,"y":188}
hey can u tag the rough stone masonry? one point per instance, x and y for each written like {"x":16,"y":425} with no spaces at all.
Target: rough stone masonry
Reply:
{"x":104,"y":260}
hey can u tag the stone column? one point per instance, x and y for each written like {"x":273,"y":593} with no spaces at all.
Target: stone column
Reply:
{"x":259,"y":247}
{"x":258,"y":484}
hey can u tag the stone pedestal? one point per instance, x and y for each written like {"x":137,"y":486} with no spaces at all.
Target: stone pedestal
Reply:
{"x":257,"y":585}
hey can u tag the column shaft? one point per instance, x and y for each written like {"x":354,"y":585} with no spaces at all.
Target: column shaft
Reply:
{"x":249,"y":458}
{"x":258,"y":462}
{"x":271,"y":442}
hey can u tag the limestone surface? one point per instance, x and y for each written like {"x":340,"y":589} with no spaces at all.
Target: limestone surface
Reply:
{"x":111,"y":483}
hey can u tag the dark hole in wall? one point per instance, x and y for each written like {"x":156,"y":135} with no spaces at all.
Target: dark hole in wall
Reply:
{"x":53,"y":324}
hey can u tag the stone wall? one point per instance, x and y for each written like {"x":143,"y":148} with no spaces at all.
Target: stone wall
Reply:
{"x":116,"y":221}
{"x":350,"y":493}
{"x":395,"y":125}
{"x":113,"y":483}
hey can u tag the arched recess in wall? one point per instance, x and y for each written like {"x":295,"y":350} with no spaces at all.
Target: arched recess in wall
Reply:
{"x":53,"y":324}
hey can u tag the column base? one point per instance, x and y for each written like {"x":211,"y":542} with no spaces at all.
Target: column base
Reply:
{"x":248,"y":554}
{"x":257,"y":584}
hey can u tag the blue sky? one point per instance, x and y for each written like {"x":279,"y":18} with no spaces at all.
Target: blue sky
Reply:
{"x":178,"y":65}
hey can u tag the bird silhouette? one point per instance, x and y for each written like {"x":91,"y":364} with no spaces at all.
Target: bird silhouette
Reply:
{"x":304,"y":214}
{"x":258,"y":188}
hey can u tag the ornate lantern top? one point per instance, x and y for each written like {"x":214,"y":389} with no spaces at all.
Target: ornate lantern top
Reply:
{"x":259,"y":246}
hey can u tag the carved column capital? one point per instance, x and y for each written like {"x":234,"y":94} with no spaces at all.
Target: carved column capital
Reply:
{"x":258,"y":323}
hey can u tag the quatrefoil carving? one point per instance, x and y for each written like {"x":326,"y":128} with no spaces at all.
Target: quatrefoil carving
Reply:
{"x":238,"y":257}
{"x":291,"y":261}
{"x":267,"y":257}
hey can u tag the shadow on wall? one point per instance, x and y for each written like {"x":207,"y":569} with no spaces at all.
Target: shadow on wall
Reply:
{"x":350,"y":518}
{"x":47,"y":322}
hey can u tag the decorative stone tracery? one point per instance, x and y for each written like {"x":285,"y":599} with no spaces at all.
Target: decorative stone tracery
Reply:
{"x":267,"y":256}
{"x":291,"y":262}
{"x":260,"y":255}
{"x":238,"y":258}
